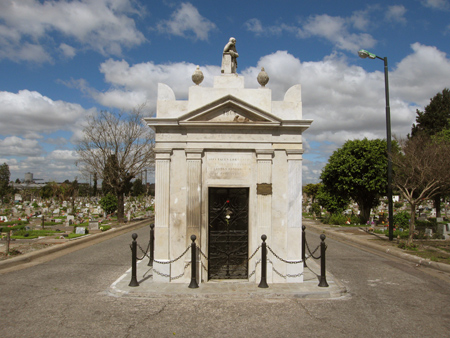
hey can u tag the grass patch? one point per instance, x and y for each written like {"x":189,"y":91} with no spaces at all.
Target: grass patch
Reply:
{"x":75,"y":235}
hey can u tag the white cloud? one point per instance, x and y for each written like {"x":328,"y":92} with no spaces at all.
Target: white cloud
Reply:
{"x":28,"y":114}
{"x":186,"y":21}
{"x":421,"y":75}
{"x":336,"y":30}
{"x":396,"y":14}
{"x":134,"y":85}
{"x":101,"y":25}
{"x":67,"y":50}
{"x":436,"y":4}
{"x":16,"y":146}
{"x":254,"y":25}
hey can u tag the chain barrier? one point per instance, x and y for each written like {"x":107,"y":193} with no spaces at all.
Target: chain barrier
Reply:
{"x":203,"y":266}
{"x":311,"y":254}
{"x":283,"y":260}
{"x":144,"y":252}
{"x":254,"y":271}
{"x":286,"y":275}
{"x":201,"y":252}
{"x":254,"y":253}
{"x":173,"y":260}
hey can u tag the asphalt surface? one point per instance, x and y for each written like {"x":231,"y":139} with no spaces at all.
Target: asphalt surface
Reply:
{"x":70,"y":296}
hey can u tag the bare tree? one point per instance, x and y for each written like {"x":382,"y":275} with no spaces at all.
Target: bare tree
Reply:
{"x":122,"y":137}
{"x":421,"y":170}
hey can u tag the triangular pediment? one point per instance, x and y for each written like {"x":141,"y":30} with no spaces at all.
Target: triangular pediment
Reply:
{"x":228,"y":109}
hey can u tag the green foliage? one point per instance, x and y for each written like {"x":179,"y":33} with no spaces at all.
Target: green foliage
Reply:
{"x":315,"y":208}
{"x":333,"y":203}
{"x":138,"y":188}
{"x":5,"y":228}
{"x":105,"y":227}
{"x":311,"y":190}
{"x":397,"y":205}
{"x":435,"y":117}
{"x":341,"y":219}
{"x":401,"y":219}
{"x":75,"y":235}
{"x":47,"y":191}
{"x":109,"y":203}
{"x":358,"y":171}
{"x":4,"y":180}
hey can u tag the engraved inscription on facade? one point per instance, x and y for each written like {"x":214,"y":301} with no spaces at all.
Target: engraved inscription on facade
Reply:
{"x":229,"y":166}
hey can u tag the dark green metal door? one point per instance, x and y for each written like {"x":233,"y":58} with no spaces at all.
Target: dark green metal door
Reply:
{"x":228,"y":233}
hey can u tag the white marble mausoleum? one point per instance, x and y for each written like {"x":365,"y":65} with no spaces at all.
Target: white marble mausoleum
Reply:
{"x":228,"y":164}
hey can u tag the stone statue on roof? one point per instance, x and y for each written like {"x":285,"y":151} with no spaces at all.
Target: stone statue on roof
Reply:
{"x":229,"y":57}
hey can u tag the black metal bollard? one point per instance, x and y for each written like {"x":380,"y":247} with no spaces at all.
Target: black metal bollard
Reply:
{"x":152,"y":244}
{"x":304,"y":246}
{"x":322,"y":279}
{"x":194,"y":283}
{"x":134,"y":281}
{"x":263,"y":282}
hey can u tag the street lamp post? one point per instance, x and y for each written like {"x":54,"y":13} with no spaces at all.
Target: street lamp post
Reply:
{"x":364,"y":54}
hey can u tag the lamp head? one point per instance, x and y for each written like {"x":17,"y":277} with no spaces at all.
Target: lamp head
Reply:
{"x":364,"y":54}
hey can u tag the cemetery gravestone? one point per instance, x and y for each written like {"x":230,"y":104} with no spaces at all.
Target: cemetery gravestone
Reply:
{"x":80,"y":230}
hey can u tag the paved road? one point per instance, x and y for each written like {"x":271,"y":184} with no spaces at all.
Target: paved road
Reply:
{"x":66,"y":298}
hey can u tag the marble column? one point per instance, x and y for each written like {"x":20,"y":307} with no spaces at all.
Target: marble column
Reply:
{"x":294,"y":220}
{"x":162,"y":213}
{"x":194,"y":199}
{"x":264,"y":202}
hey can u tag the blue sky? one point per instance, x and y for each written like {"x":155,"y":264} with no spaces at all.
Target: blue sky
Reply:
{"x":63,"y":60}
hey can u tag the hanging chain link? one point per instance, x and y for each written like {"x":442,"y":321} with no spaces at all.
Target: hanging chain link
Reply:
{"x":283,"y":260}
{"x":203,"y":266}
{"x":254,"y":253}
{"x":254,"y":271}
{"x":201,"y":252}
{"x":173,"y":260}
{"x":172,"y":278}
{"x":311,"y":254}
{"x":144,"y":252}
{"x":181,"y":274}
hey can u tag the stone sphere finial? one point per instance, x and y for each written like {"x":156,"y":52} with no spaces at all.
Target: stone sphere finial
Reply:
{"x":263,"y":78}
{"x":197,"y":77}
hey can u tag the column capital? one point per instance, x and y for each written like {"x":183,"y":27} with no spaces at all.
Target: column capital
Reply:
{"x":194,"y":154}
{"x":162,"y":154}
{"x":264,"y":154}
{"x":294,"y":154}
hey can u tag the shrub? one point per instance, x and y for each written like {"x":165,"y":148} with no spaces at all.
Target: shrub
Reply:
{"x":401,"y":219}
{"x":340,"y":219}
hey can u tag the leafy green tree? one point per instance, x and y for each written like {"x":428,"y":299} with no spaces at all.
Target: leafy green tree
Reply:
{"x":138,"y":187}
{"x":332,"y":202}
{"x":108,"y":203}
{"x":47,"y":191}
{"x":358,"y":171}
{"x":311,"y":191}
{"x":435,"y":121}
{"x":435,"y":117}
{"x":4,"y":180}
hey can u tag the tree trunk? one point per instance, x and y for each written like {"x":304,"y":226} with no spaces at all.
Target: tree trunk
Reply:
{"x":120,"y":208}
{"x":364,"y":214}
{"x":412,"y":224}
{"x":437,"y":205}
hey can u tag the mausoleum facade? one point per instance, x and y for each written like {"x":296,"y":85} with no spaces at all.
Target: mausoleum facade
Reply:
{"x":228,"y":169}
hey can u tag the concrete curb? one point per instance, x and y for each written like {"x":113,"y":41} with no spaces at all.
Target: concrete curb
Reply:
{"x":391,"y":251}
{"x":96,"y":238}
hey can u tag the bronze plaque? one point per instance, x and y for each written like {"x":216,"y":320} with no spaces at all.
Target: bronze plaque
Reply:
{"x":264,"y":188}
